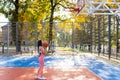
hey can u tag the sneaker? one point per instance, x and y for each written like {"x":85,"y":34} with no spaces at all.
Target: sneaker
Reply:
{"x":41,"y":78}
{"x":36,"y":76}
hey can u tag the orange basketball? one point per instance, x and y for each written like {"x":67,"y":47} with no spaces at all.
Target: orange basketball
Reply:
{"x":45,"y":44}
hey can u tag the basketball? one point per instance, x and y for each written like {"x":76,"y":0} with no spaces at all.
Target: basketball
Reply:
{"x":45,"y":44}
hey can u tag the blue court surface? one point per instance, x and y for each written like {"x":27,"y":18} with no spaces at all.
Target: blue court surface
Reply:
{"x":105,"y":70}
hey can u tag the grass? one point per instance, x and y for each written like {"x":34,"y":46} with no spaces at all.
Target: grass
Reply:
{"x":64,"y":48}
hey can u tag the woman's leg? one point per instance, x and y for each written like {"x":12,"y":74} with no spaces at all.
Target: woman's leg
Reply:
{"x":41,"y":61}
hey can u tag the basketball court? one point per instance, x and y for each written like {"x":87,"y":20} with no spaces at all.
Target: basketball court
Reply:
{"x":80,"y":73}
{"x":65,"y":68}
{"x":57,"y":68}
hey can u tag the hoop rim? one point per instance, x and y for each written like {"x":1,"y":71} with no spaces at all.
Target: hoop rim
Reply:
{"x":76,"y":9}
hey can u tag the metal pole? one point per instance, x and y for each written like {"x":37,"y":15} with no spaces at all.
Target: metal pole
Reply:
{"x":103,"y":42}
{"x":8,"y":41}
{"x":17,"y":37}
{"x":99,"y":48}
{"x":117,"y":33}
{"x":35,"y":33}
{"x":91,"y":28}
{"x":72,"y":35}
{"x":109,"y":36}
{"x":82,"y":37}
{"x":3,"y":44}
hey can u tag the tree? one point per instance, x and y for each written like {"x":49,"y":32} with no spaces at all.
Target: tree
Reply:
{"x":53,"y":5}
{"x":35,"y":10}
{"x":17,"y":10}
{"x":10,"y":8}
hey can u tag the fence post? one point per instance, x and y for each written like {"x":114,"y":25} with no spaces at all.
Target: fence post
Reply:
{"x":117,"y":35}
{"x":35,"y":33}
{"x":8,"y":41}
{"x":72,"y":35}
{"x":91,"y":35}
{"x":17,"y":37}
{"x":109,"y":36}
{"x":3,"y":44}
{"x":99,"y":45}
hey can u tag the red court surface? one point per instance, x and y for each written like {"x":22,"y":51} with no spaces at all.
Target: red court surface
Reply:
{"x":80,"y":73}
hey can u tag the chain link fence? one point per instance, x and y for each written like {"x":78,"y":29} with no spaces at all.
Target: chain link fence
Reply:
{"x":100,"y":36}
{"x":24,"y":35}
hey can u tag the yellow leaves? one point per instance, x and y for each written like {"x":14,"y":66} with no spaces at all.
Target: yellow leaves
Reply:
{"x":80,"y":18}
{"x":39,"y":27}
{"x":60,"y":25}
{"x":113,"y":0}
{"x":77,"y":26}
{"x":67,"y":26}
{"x":112,"y":5}
{"x":74,"y":21}
{"x":109,"y":0}
{"x":117,"y":0}
{"x":31,"y":10}
{"x":35,"y":10}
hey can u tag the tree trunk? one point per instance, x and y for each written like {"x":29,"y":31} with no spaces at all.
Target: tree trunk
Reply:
{"x":15,"y":34}
{"x":51,"y":24}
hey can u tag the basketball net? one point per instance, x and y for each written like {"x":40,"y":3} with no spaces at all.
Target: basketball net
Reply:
{"x":79,"y":6}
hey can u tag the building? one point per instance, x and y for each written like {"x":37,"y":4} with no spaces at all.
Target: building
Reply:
{"x":5,"y":34}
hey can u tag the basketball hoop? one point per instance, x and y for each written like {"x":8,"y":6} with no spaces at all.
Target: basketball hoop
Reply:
{"x":79,"y":6}
{"x":73,"y":9}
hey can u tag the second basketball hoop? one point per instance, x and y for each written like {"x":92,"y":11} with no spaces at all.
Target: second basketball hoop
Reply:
{"x":79,"y":6}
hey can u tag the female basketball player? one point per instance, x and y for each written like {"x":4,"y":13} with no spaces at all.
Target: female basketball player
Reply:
{"x":43,"y":51}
